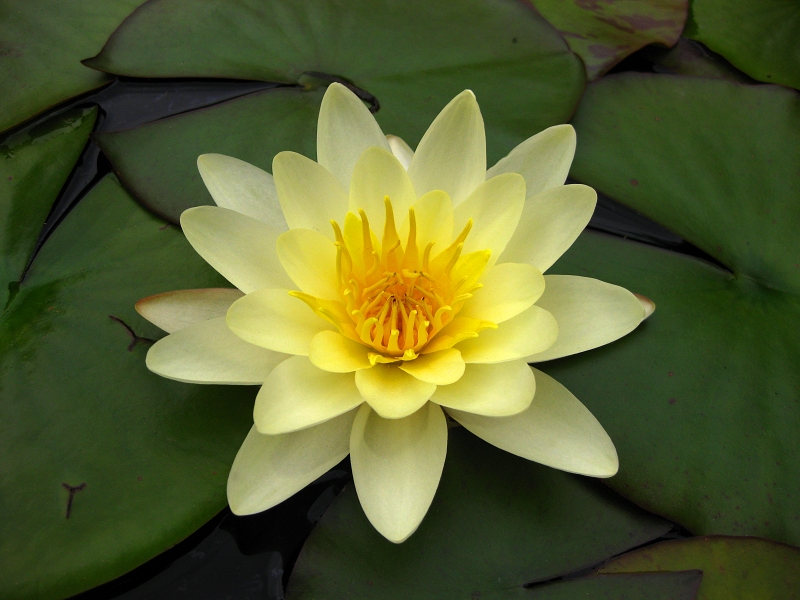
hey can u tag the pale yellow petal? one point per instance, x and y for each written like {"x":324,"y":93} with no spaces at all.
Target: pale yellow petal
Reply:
{"x":379,"y":174}
{"x":551,"y":221}
{"x":309,"y":258}
{"x":273,"y":319}
{"x":391,"y":392}
{"x":442,"y":368}
{"x":242,"y":187}
{"x":434,"y":217}
{"x":460,"y":328}
{"x":297,"y":395}
{"x":556,"y":430}
{"x":494,"y":207}
{"x":172,"y":311}
{"x":397,"y":464}
{"x":496,"y":390}
{"x":401,"y":150}
{"x":345,"y":130}
{"x":268,"y":469}
{"x":589,"y":313}
{"x":240,"y":248}
{"x":331,"y":351}
{"x":543,"y":160}
{"x":508,"y":289}
{"x":209,"y":352}
{"x":533,"y":328}
{"x":309,"y":195}
{"x":452,"y":154}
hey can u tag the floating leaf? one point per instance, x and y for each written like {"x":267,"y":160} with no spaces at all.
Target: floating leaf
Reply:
{"x":34,"y":164}
{"x":104,"y":464}
{"x":413,"y":57}
{"x":497,"y":521}
{"x":603,"y":32}
{"x":41,"y":46}
{"x":733,"y":567}
{"x":760,"y":37}
{"x":703,"y":401}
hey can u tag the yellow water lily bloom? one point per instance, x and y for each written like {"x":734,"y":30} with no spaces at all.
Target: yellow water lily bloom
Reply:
{"x":379,"y":289}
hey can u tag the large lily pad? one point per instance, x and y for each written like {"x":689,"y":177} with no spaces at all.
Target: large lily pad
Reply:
{"x":497,"y":522}
{"x":158,"y":161}
{"x":760,"y":37}
{"x":34,"y":164}
{"x":703,"y":401}
{"x":41,"y":46}
{"x":413,"y":56}
{"x":104,"y":464}
{"x":603,"y":32}
{"x":733,"y":567}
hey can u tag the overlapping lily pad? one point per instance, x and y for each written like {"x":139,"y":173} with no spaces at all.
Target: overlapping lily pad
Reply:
{"x":703,"y":401}
{"x":497,"y":522}
{"x":104,"y":464}
{"x":412,"y":56}
{"x":760,"y":37}
{"x":733,"y":567}
{"x":603,"y":32}
{"x":34,"y":164}
{"x":680,"y":585}
{"x":41,"y":46}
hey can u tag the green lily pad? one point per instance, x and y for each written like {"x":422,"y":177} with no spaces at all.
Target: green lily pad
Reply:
{"x":34,"y":165}
{"x":604,"y":32}
{"x":688,"y":57}
{"x":104,"y":464}
{"x":497,"y":521}
{"x":41,"y":46}
{"x":760,"y":37}
{"x":681,"y":585}
{"x":703,"y":401}
{"x":413,"y":56}
{"x":733,"y":567}
{"x":158,"y":161}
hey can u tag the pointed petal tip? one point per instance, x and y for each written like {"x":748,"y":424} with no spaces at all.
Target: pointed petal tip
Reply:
{"x":648,"y":305}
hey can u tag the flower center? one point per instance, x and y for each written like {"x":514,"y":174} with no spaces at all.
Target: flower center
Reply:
{"x":397,"y":297}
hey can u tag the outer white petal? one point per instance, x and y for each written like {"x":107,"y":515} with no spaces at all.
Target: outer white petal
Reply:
{"x":297,"y":395}
{"x":270,"y":468}
{"x":496,"y":390}
{"x":543,"y":160}
{"x":240,"y":248}
{"x":273,"y":319}
{"x":209,"y":352}
{"x":242,"y":187}
{"x":310,"y":196}
{"x":401,"y":150}
{"x":589,"y":313}
{"x":452,"y":154}
{"x":508,"y":289}
{"x":532,"y":330}
{"x":556,"y":430}
{"x":397,"y":464}
{"x":551,"y":221}
{"x":345,"y":129}
{"x":495,"y":207}
{"x":172,"y":311}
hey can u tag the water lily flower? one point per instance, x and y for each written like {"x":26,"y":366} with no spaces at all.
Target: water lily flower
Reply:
{"x":379,"y":289}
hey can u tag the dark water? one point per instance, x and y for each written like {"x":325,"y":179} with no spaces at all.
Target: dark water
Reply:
{"x":247,"y":558}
